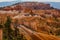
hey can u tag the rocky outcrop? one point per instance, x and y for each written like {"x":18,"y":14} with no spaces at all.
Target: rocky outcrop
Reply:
{"x":35,"y":16}
{"x":29,"y":5}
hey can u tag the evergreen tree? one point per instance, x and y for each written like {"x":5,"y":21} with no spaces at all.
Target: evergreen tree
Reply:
{"x":7,"y":29}
{"x":10,"y":34}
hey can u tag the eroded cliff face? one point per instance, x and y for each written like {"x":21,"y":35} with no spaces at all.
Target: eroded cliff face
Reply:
{"x":29,"y":5}
{"x":39,"y":23}
{"x":38,"y":17}
{"x":46,"y":23}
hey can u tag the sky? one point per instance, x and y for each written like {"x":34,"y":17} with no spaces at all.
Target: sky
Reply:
{"x":43,"y":0}
{"x":6,"y":0}
{"x":32,"y":0}
{"x":54,"y":3}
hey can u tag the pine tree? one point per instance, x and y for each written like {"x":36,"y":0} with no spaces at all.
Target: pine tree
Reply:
{"x":7,"y":28}
{"x":10,"y":34}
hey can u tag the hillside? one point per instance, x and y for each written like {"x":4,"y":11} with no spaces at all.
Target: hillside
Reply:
{"x":29,"y":5}
{"x":35,"y":20}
